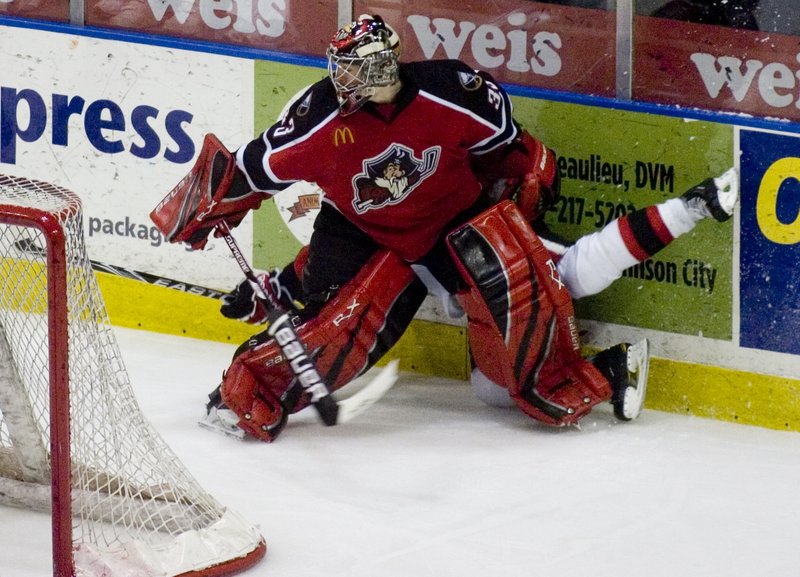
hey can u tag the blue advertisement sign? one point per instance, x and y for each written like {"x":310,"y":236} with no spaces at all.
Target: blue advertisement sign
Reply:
{"x":770,"y":242}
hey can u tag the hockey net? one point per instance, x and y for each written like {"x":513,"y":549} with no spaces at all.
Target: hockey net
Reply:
{"x":73,"y":441}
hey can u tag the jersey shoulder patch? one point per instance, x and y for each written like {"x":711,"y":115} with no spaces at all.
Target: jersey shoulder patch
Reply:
{"x":449,"y":79}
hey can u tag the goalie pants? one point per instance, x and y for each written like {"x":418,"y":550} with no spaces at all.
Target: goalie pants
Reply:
{"x":338,"y":251}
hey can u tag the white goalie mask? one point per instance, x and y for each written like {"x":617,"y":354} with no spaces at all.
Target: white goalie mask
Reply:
{"x":362,"y":57}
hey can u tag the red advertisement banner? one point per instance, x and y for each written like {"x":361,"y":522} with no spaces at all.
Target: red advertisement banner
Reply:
{"x":716,"y":68}
{"x":297,"y":26}
{"x":518,"y":42}
{"x":40,"y":9}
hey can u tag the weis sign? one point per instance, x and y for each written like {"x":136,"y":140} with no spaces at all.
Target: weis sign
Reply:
{"x":528,"y":43}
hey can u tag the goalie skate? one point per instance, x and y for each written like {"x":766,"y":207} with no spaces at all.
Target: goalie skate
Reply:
{"x":630,"y":392}
{"x":626,"y":367}
{"x":221,"y":419}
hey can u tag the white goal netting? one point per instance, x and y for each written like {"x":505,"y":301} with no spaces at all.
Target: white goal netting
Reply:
{"x":134,"y":509}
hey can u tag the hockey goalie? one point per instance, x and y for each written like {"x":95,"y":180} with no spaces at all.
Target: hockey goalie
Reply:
{"x":435,"y":189}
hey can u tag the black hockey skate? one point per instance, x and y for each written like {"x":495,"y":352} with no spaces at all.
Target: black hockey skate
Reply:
{"x":714,"y":197}
{"x":626,"y":367}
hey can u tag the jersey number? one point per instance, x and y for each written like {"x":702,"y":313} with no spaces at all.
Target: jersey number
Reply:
{"x":495,"y":98}
{"x":286,"y":128}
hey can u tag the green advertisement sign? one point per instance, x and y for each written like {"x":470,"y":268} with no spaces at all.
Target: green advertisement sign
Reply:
{"x":274,"y":244}
{"x":614,"y":162}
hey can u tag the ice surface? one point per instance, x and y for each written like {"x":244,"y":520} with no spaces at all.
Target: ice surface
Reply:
{"x":432,"y":483}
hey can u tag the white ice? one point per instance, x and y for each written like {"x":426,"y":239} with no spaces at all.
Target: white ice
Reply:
{"x":432,"y":483}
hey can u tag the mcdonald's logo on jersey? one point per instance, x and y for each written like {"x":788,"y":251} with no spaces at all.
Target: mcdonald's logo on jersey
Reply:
{"x":343,"y":136}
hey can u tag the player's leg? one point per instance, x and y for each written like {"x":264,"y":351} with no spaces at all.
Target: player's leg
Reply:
{"x":338,"y":251}
{"x":598,"y":259}
{"x":324,"y":284}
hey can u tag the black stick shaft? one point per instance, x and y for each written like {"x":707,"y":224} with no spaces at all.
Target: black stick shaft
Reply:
{"x":282,"y":330}
{"x":28,"y":246}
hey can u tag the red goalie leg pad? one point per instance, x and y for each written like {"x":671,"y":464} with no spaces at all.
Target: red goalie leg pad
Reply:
{"x":214,"y":190}
{"x":352,"y":332}
{"x":563,"y":394}
{"x":523,"y":332}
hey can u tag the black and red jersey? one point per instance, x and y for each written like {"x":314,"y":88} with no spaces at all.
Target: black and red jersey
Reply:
{"x":398,"y":172}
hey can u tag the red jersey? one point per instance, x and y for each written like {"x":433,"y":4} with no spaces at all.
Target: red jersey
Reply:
{"x":399,"y":172}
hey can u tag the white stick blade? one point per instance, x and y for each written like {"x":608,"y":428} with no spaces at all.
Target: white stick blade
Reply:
{"x":351,"y":407}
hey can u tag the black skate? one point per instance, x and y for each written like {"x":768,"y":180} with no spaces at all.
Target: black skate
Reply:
{"x":714,"y":197}
{"x":626,"y":367}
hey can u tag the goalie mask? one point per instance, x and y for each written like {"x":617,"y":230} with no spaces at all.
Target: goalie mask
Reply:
{"x":362,"y":57}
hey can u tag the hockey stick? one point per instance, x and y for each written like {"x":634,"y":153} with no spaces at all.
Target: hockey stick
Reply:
{"x":28,"y":246}
{"x":331,"y":411}
{"x":157,"y":280}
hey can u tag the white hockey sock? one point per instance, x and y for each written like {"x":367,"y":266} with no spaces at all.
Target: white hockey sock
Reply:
{"x":677,"y":216}
{"x":595,"y":261}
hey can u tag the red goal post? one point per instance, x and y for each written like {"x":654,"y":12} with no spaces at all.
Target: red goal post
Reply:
{"x":73,"y":440}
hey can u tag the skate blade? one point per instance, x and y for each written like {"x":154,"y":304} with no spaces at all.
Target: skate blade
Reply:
{"x":212,"y":422}
{"x":638,"y":361}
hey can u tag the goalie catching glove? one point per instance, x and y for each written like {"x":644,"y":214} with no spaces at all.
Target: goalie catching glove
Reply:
{"x":213,"y":191}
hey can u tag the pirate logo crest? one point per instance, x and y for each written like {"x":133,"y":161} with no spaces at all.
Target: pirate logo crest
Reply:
{"x":391,"y":176}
